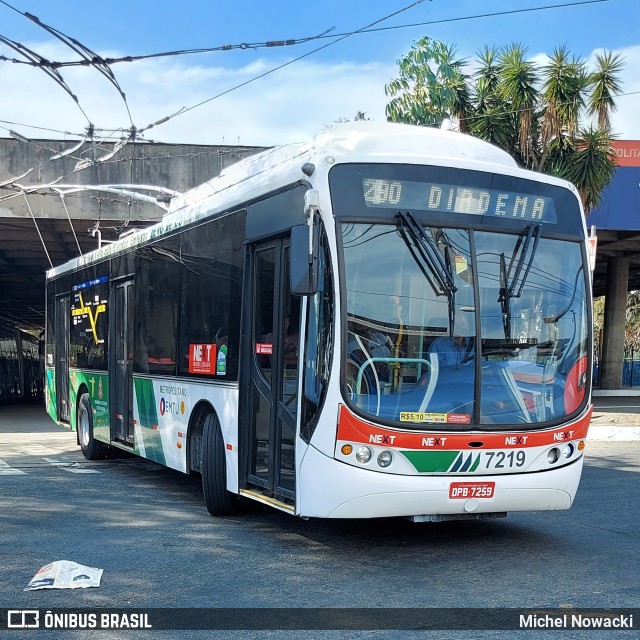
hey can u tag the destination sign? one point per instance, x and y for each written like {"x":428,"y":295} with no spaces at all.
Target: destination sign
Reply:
{"x":431,"y":196}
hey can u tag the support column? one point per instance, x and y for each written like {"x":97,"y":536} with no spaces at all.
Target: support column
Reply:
{"x":615,"y":310}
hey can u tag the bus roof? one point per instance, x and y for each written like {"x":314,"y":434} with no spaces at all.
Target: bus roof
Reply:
{"x":376,"y":141}
{"x":276,"y":167}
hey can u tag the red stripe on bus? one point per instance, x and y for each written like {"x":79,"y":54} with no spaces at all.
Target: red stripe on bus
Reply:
{"x":352,"y":428}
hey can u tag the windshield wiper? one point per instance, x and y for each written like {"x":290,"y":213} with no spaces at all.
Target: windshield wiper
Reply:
{"x":534,"y":231}
{"x":429,"y":253}
{"x":504,"y":298}
{"x":508,"y":287}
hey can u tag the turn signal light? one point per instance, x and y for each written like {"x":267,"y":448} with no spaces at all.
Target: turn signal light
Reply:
{"x":346,"y":449}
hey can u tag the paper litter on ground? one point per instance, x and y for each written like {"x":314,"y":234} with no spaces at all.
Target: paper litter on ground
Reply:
{"x":64,"y":574}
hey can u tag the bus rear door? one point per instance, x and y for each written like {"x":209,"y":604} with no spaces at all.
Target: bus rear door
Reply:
{"x":121,"y":362}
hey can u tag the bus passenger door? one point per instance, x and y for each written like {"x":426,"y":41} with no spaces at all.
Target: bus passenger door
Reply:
{"x":63,"y":325}
{"x":121,"y":363}
{"x":273,"y":324}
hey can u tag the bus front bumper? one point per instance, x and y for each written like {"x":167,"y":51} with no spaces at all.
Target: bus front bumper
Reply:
{"x":331,"y":489}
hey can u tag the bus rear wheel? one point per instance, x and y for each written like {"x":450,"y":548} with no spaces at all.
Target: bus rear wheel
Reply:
{"x":219,"y":501}
{"x":91,"y":448}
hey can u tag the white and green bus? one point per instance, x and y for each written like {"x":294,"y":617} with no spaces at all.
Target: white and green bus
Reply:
{"x":386,"y":321}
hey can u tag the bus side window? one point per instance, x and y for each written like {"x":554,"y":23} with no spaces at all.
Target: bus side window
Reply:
{"x":157,"y":291}
{"x":212,"y":259}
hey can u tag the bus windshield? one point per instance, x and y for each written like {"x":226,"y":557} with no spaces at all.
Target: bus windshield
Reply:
{"x":461,"y":326}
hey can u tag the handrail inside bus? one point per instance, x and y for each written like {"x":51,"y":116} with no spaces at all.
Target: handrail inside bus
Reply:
{"x":371,"y":361}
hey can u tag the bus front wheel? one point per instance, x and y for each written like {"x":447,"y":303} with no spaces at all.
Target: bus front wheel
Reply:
{"x":91,"y":448}
{"x":219,"y":501}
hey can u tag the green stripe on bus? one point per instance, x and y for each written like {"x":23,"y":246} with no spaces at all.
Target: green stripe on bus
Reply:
{"x":431,"y":461}
{"x":148,"y":420}
{"x":52,"y":408}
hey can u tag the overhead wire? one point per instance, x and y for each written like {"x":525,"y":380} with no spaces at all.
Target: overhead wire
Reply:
{"x":268,"y":44}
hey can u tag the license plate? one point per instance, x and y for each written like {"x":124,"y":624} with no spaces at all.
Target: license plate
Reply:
{"x":463,"y":490}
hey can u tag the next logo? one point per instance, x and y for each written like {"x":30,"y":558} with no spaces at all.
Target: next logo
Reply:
{"x":380,"y":439}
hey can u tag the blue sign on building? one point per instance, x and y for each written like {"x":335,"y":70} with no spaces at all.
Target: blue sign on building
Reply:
{"x":620,"y":206}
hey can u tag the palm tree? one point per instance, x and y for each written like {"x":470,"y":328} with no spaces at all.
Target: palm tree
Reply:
{"x":518,"y":88}
{"x":491,"y":121}
{"x":591,"y":165}
{"x":604,"y":85}
{"x":487,"y":79}
{"x":565,"y":80}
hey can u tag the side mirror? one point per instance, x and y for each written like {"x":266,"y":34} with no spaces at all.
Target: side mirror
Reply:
{"x":303,"y":267}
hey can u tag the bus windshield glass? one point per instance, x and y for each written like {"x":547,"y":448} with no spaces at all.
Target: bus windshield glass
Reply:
{"x":463,"y":326}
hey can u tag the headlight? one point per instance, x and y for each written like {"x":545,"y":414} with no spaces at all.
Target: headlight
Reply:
{"x":567,"y":452}
{"x":363,"y":455}
{"x":385,"y":458}
{"x":553,"y":455}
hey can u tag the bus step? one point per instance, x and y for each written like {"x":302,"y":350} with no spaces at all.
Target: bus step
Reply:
{"x":272,"y":502}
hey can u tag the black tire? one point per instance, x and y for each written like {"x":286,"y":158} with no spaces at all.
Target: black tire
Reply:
{"x":218,"y":500}
{"x":91,"y":448}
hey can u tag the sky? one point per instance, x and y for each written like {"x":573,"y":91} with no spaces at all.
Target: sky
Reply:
{"x":198,"y":94}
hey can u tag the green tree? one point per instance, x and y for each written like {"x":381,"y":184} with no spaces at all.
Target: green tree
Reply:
{"x":538,"y":113}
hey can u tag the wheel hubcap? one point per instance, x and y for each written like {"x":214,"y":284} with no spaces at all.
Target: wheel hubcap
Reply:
{"x":83,"y":420}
